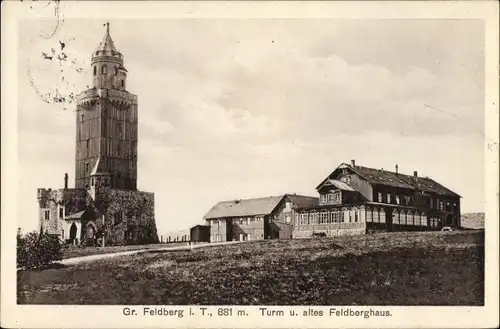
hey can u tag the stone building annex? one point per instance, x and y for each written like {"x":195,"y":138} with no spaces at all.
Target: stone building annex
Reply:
{"x":105,"y":204}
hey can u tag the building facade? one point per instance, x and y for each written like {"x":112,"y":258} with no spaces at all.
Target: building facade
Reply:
{"x":356,"y":199}
{"x":255,"y":219}
{"x":105,"y":202}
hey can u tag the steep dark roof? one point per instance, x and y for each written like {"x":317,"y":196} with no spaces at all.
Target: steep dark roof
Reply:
{"x":302,"y":201}
{"x":389,"y":178}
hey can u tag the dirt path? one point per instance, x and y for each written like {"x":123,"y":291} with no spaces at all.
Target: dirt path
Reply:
{"x":80,"y":259}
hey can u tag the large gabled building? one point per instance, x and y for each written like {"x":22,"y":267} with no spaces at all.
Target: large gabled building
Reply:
{"x":355,"y":199}
{"x":256,"y":219}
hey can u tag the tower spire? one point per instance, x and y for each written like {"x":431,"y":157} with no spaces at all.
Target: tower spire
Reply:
{"x":107,"y":27}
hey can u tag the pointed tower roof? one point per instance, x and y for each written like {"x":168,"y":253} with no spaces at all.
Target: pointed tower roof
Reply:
{"x":107,"y":46}
{"x":99,"y":168}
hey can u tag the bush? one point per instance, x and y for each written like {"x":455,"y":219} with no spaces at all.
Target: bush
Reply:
{"x":37,"y":250}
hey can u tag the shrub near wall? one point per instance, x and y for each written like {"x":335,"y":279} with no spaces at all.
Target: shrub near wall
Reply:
{"x":37,"y":250}
{"x":142,"y":228}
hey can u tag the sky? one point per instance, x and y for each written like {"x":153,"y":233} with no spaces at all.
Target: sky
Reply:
{"x":240,"y":108}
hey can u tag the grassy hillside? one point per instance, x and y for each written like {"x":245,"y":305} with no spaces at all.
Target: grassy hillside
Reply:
{"x":473,"y":220}
{"x":420,"y":268}
{"x":74,"y":251}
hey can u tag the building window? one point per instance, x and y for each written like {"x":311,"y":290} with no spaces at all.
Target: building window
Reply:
{"x":323,"y":217}
{"x":95,"y":70}
{"x":398,"y":199}
{"x":88,"y":147}
{"x":441,"y":205}
{"x":313,"y":219}
{"x":123,"y":83}
{"x":104,"y":69}
{"x":46,"y":214}
{"x":388,"y":197}
{"x":379,"y":197}
{"x":86,"y":167}
{"x":61,"y":212}
{"x":356,"y":216}
{"x":116,"y":70}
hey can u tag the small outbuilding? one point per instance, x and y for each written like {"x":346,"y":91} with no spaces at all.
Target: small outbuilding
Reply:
{"x":200,"y":233}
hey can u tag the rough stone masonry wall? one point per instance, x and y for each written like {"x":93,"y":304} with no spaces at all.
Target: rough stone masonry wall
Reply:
{"x":73,"y":200}
{"x":141,"y":225}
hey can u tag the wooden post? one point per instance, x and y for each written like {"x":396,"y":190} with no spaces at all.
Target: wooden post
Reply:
{"x":104,"y":231}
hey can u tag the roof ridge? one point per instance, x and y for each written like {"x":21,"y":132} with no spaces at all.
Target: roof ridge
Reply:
{"x":393,"y":172}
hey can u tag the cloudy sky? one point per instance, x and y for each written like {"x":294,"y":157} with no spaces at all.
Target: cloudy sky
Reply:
{"x":237,"y":108}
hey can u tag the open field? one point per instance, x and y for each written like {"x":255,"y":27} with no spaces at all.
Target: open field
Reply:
{"x":407,"y":268}
{"x":73,"y":251}
{"x":473,"y":220}
{"x":469,"y":220}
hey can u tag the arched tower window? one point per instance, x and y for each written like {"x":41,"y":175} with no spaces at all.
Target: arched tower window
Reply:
{"x":95,"y":70}
{"x":104,"y":69}
{"x":123,"y":83}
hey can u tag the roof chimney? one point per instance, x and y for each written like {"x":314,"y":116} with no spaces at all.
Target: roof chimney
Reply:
{"x":415,"y":174}
{"x":397,"y":169}
{"x":66,"y":181}
{"x":353,"y":163}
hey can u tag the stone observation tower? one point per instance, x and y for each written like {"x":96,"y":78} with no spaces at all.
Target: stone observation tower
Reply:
{"x":105,"y":204}
{"x":106,"y":124}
